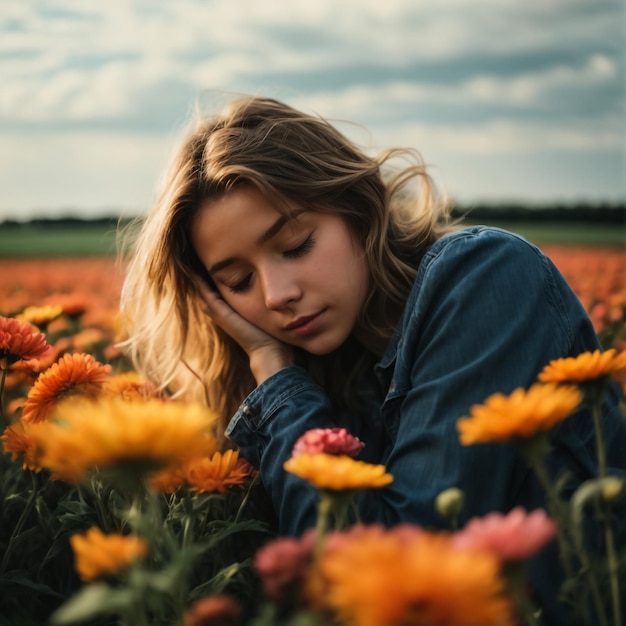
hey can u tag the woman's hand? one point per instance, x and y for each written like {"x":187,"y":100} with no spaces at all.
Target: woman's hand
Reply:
{"x":267,"y":354}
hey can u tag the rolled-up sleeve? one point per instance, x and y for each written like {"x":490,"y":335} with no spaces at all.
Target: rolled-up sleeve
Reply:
{"x":265,"y":428}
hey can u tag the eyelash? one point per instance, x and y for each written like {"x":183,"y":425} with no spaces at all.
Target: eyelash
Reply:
{"x":294,"y":253}
{"x":300,"y":250}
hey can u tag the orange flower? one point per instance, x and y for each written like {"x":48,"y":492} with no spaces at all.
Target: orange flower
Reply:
{"x":20,"y":341}
{"x":40,"y":315}
{"x":168,"y":480}
{"x":141,"y":436}
{"x":130,"y":385}
{"x":217,"y":473}
{"x":372,"y":576}
{"x":337,"y":473}
{"x":98,"y":554}
{"x":85,"y":339}
{"x":73,"y":305}
{"x":173,"y":477}
{"x":72,"y":374}
{"x":17,"y":439}
{"x":520,"y":415}
{"x":586,"y":366}
{"x":205,"y":473}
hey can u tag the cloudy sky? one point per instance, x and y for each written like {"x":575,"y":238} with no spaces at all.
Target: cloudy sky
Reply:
{"x":507,"y":100}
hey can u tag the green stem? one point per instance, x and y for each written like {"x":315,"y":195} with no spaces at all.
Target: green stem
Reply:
{"x":3,"y":420}
{"x":612,"y":564}
{"x":20,"y":522}
{"x":245,"y":499}
{"x":321,"y":528}
{"x":187,"y":530}
{"x":596,"y":393}
{"x":136,"y":615}
{"x":554,"y":507}
{"x":340,"y":506}
{"x":96,"y":492}
{"x":596,"y":408}
{"x":565,"y":550}
{"x":522,"y":602}
{"x":593,"y":583}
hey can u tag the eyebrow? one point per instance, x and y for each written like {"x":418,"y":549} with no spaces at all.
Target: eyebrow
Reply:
{"x":270,"y":233}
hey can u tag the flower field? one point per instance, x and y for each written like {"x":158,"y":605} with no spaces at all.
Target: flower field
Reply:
{"x":118,"y":506}
{"x":597,"y":275}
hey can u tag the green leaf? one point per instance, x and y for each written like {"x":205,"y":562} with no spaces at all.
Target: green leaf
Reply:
{"x":91,"y":601}
{"x":19,"y":583}
{"x":72,"y":506}
{"x":220,"y":581}
{"x":230,"y":528}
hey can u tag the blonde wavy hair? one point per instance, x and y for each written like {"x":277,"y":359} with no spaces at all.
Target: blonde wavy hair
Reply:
{"x":297,"y":161}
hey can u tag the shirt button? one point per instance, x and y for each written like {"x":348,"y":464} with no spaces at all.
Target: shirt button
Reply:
{"x":246,"y":409}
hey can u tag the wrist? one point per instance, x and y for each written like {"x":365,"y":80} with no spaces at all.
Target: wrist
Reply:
{"x":267,"y":362}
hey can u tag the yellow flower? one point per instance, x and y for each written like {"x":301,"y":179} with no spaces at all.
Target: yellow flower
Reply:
{"x":40,"y":315}
{"x":337,"y":473}
{"x":97,"y":554}
{"x":519,"y":415}
{"x":371,"y":576}
{"x":586,"y":366}
{"x":145,"y":434}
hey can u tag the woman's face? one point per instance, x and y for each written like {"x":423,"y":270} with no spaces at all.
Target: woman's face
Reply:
{"x":302,"y":280}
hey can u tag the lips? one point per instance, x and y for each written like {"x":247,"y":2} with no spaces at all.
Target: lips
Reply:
{"x":307,"y":325}
{"x":301,"y":321}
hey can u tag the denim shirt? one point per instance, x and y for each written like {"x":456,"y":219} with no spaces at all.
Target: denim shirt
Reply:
{"x":486,"y":313}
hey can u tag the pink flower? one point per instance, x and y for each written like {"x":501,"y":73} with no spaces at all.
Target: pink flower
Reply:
{"x":219,"y":610}
{"x":328,"y":441}
{"x":282,"y":565}
{"x":512,"y":537}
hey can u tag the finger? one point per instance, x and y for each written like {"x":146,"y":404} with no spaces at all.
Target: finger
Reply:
{"x":206,"y":291}
{"x":216,"y":306}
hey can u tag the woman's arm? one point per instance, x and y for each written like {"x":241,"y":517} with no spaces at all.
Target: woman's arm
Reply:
{"x":284,"y":405}
{"x":266,"y":427}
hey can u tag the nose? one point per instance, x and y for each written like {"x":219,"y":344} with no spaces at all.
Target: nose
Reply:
{"x":280,"y":288}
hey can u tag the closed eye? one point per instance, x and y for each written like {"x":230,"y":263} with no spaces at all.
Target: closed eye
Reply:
{"x":300,"y":250}
{"x":294,"y":253}
{"x":242,"y":285}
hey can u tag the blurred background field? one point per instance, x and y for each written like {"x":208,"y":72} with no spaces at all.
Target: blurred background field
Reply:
{"x":44,"y":240}
{"x":43,"y":260}
{"x":47,"y":260}
{"x":581,"y":226}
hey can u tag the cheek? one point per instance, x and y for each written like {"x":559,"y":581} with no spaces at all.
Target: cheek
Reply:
{"x":248,"y":308}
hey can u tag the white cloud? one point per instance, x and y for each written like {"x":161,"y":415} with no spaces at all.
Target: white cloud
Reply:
{"x":499,"y":137}
{"x":92,"y":174}
{"x":119,"y":62}
{"x":224,"y":40}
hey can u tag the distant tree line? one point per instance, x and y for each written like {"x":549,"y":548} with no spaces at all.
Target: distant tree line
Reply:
{"x":602,"y":213}
{"x":581,"y":213}
{"x":68,"y":222}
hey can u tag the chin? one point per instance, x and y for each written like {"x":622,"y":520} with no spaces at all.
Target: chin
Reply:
{"x":323,"y":345}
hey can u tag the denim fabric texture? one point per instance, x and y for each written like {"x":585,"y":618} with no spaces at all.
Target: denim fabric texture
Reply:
{"x":487,"y":312}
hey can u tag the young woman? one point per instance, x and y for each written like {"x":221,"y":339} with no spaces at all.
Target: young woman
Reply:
{"x":292,"y":282}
